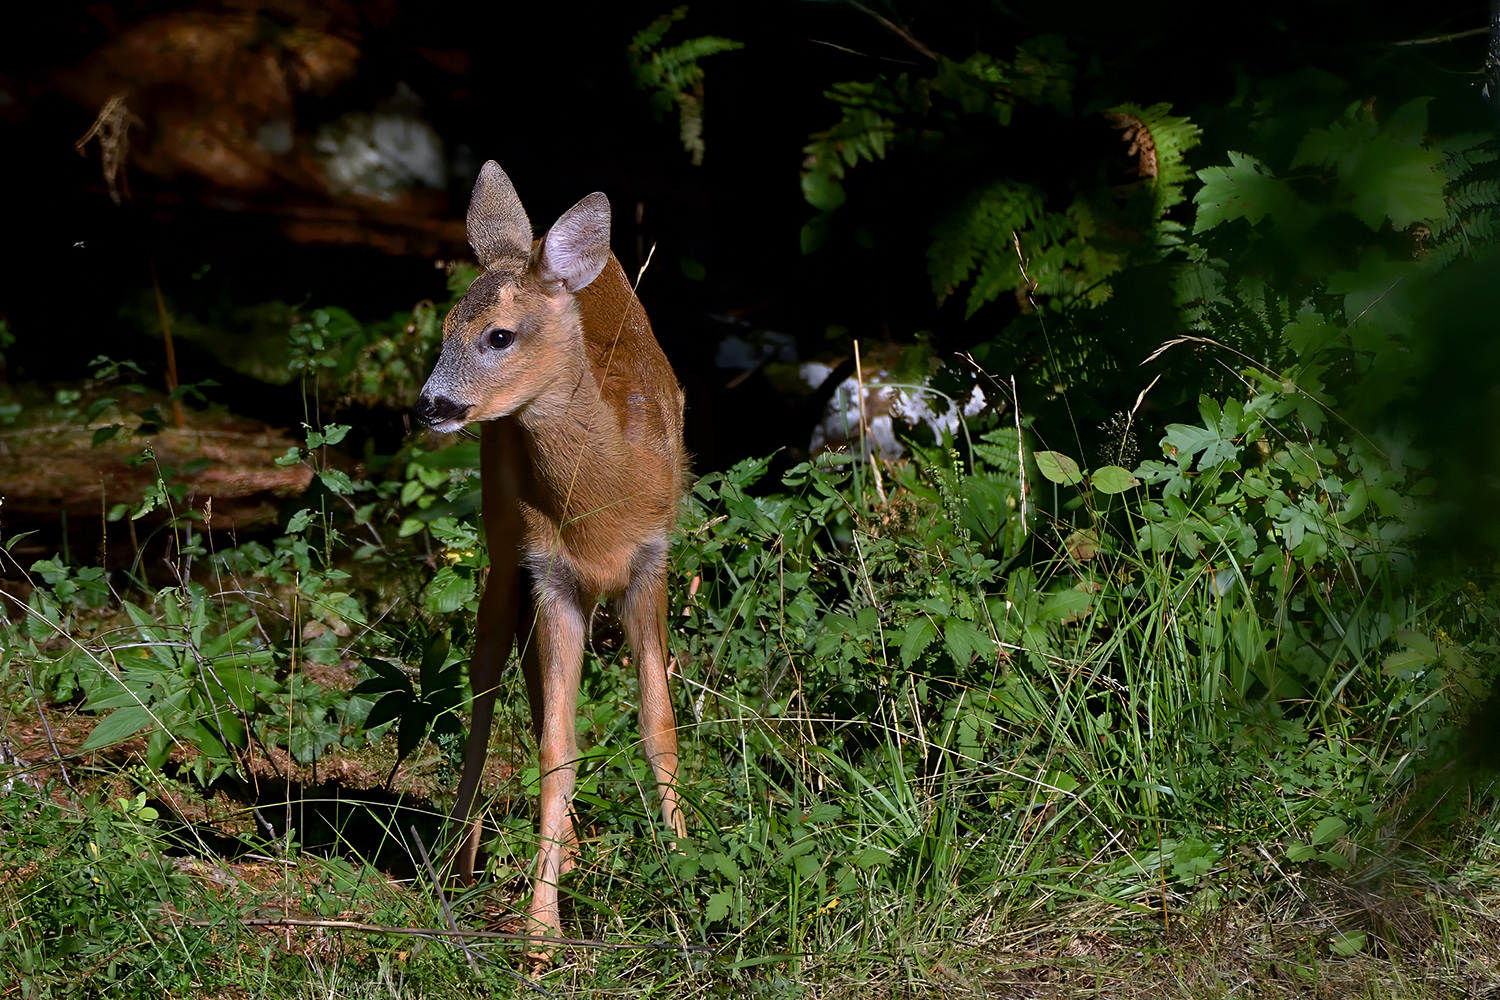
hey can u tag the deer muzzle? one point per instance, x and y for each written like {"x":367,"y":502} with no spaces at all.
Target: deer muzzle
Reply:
{"x":441,"y":413}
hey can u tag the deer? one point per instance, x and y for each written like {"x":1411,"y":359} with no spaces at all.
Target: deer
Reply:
{"x":582,"y":470}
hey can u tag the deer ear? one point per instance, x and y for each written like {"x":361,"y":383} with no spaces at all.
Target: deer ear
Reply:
{"x":498,"y":226}
{"x":576,"y":248}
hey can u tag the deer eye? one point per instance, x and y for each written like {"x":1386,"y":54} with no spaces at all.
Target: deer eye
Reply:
{"x":500,"y":339}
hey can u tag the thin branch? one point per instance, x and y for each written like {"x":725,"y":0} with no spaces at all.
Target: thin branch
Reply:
{"x":862,"y":55}
{"x":437,"y":887}
{"x":896,"y":30}
{"x":439,"y":933}
{"x":1438,"y":39}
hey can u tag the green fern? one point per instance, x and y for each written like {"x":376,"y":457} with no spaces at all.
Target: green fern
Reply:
{"x":1471,"y":167}
{"x":979,"y":237}
{"x":1004,"y":237}
{"x":863,"y":132}
{"x":873,"y":113}
{"x":1160,"y":142}
{"x":674,"y":76}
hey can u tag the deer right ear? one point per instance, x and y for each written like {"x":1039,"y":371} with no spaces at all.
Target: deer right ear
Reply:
{"x":498,"y":226}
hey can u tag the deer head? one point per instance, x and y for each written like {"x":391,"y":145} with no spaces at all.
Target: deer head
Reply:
{"x":516,"y":338}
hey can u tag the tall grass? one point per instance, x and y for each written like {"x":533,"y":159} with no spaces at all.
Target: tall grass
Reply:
{"x":925,"y":749}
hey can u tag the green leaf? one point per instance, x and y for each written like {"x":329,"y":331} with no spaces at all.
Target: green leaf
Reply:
{"x":718,"y":905}
{"x":1298,"y":851}
{"x":1065,"y":606}
{"x":336,"y":482}
{"x":1348,"y":944}
{"x":449,"y":591}
{"x":388,"y":678}
{"x":1112,"y":479}
{"x":965,"y":641}
{"x":233,"y":687}
{"x":1329,"y":828}
{"x":433,"y":656}
{"x":299,"y":521}
{"x":120,"y":724}
{"x":1403,"y":185}
{"x":226,"y":641}
{"x":1384,"y":172}
{"x":919,"y":635}
{"x":1246,"y":189}
{"x":1408,"y":659}
{"x":388,"y":709}
{"x":1058,"y":467}
{"x":413,"y":728}
{"x":1311,"y":333}
{"x":822,"y":812}
{"x":334,"y":433}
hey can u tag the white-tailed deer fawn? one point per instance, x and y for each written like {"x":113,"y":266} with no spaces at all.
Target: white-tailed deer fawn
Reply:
{"x":581,"y":462}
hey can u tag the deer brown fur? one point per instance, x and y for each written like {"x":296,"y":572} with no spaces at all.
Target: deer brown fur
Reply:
{"x":581,"y":462}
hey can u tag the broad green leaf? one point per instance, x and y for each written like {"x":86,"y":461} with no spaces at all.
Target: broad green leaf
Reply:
{"x":1058,"y":467}
{"x":388,"y":678}
{"x":1408,"y":659}
{"x":1065,"y":606}
{"x":724,"y":864}
{"x":120,"y":724}
{"x":449,"y":591}
{"x":1298,"y":851}
{"x":1311,"y":333}
{"x":336,"y":481}
{"x":1329,"y":828}
{"x":965,"y":641}
{"x":1112,"y":479}
{"x":1245,"y":189}
{"x":334,"y":433}
{"x":1348,"y":944}
{"x":1403,"y":185}
{"x":822,"y":812}
{"x":718,"y":905}
{"x":310,"y":739}
{"x":232,"y":687}
{"x":388,"y":709}
{"x":223,"y":643}
{"x":919,"y":635}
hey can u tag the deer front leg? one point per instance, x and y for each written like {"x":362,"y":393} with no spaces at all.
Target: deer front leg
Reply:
{"x":500,"y":441}
{"x":643,"y":612}
{"x":558,"y":641}
{"x":497,"y":631}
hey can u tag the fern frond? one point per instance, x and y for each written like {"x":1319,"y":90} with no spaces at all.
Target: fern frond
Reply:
{"x":1004,"y":238}
{"x":980,"y":235}
{"x":861,"y":133}
{"x":1471,"y":226}
{"x":674,"y":76}
{"x":1159,"y":141}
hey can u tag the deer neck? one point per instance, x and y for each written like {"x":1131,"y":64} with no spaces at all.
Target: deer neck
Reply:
{"x":576,"y":445}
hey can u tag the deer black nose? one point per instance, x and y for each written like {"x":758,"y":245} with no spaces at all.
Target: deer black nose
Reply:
{"x":432,"y":410}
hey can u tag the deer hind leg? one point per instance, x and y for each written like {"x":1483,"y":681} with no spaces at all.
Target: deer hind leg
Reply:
{"x":553,"y":672}
{"x":643,"y":612}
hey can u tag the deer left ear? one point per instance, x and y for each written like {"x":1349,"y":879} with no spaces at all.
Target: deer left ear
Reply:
{"x":576,"y":248}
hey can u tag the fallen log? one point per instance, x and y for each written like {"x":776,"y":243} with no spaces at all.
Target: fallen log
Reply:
{"x":50,"y":462}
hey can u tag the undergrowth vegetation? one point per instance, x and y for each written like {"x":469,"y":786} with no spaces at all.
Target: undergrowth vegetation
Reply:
{"x":1176,"y":677}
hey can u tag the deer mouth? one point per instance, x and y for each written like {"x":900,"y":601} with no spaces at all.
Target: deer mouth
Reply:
{"x":441,"y":413}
